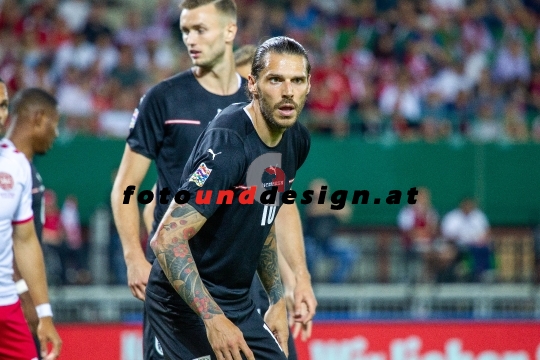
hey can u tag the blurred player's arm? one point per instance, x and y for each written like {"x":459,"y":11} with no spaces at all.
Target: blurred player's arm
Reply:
{"x":29,"y":257}
{"x":171,"y":246}
{"x":148,"y":212}
{"x":291,"y":245}
{"x":268,"y":269}
{"x":27,"y":305}
{"x":132,"y":170}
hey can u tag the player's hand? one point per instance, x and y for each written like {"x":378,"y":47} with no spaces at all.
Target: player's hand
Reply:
{"x":226,"y":339}
{"x":299,"y":327}
{"x":138,"y":272}
{"x":47,"y":334}
{"x":276,"y":319}
{"x":303,"y":294}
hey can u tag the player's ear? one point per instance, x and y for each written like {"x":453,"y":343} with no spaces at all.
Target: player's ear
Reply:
{"x":308,"y":84}
{"x":38,"y":117}
{"x":230,"y":32}
{"x":252,"y":86}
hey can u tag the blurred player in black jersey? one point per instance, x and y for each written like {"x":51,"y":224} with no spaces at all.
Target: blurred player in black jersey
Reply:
{"x":165,"y":127}
{"x":207,"y":253}
{"x":33,"y":129}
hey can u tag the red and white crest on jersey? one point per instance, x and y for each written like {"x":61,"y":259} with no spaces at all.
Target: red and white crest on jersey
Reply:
{"x":6,"y":181}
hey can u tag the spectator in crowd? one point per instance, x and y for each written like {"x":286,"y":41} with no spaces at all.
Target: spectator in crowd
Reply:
{"x":400,"y":102}
{"x":321,"y":238}
{"x":76,"y":271}
{"x":331,"y":97}
{"x":468,"y":228}
{"x":487,"y":127}
{"x":512,"y":65}
{"x":53,"y":241}
{"x":418,"y":224}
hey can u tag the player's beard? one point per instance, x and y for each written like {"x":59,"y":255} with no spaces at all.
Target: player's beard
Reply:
{"x":267,"y":111}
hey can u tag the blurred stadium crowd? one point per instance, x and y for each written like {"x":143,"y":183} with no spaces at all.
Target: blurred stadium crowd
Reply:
{"x":426,"y":69}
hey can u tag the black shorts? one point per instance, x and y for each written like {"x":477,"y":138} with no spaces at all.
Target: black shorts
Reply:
{"x":153,"y":350}
{"x":182,"y":333}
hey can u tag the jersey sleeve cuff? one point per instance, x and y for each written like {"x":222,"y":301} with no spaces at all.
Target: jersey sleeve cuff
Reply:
{"x":19,"y":222}
{"x":203,"y":210}
{"x":135,"y":146}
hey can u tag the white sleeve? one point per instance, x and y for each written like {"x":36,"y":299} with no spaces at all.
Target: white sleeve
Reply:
{"x":24,"y":210}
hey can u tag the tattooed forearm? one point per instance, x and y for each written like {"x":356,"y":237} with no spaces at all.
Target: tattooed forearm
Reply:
{"x":171,"y":246}
{"x":268,"y":269}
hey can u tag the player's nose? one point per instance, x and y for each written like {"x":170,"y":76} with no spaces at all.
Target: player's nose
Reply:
{"x":287,"y":89}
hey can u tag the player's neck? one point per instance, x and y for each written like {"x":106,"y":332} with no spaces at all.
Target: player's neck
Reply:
{"x":269,"y":136}
{"x":21,"y":142}
{"x":221,"y":79}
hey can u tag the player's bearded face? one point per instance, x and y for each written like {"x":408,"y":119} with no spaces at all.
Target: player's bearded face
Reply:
{"x":273,"y":112}
{"x":282,"y":90}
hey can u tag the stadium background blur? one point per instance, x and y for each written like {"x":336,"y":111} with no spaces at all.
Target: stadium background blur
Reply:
{"x":443,"y":94}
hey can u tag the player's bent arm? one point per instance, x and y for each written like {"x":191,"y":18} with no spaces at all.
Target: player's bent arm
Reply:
{"x":291,"y":244}
{"x":287,"y":278}
{"x":29,"y":258}
{"x":268,"y":269}
{"x":171,"y":246}
{"x":148,"y":212}
{"x":132,"y":170}
{"x":291,"y":240}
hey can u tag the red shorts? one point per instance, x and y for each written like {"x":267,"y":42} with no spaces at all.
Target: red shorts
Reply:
{"x":16,"y":342}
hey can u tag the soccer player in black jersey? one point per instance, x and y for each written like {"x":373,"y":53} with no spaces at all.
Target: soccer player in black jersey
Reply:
{"x":165,"y":127}
{"x":33,"y":129}
{"x":207,"y":250}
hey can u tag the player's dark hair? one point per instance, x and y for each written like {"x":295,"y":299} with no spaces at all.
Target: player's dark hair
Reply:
{"x":278,"y":45}
{"x":31,"y":97}
{"x":227,"y":7}
{"x":2,"y":81}
{"x":244,"y":55}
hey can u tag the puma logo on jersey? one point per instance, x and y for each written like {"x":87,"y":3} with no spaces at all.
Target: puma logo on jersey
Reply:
{"x":213,"y":155}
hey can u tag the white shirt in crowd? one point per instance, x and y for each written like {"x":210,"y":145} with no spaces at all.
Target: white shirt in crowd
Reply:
{"x":466,"y":229}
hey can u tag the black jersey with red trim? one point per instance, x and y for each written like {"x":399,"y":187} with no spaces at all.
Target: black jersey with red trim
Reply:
{"x":167,"y":123}
{"x":231,"y":159}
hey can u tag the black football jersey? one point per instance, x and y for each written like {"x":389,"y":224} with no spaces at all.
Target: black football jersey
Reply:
{"x":228,"y":160}
{"x":167,"y":123}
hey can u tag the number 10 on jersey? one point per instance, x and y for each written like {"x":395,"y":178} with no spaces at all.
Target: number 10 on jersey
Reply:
{"x":269,"y":213}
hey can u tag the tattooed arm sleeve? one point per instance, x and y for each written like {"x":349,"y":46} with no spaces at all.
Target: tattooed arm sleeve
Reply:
{"x":171,"y":246}
{"x":268,"y":268}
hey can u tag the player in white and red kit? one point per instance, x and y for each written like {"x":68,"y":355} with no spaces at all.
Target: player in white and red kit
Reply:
{"x":18,"y":238}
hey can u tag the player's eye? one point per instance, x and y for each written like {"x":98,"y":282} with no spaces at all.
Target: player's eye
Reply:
{"x":274,"y":80}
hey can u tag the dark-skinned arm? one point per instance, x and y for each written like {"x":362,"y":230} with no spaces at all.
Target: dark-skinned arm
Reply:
{"x":171,"y":245}
{"x":268,"y":270}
